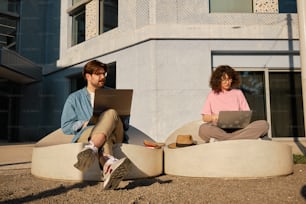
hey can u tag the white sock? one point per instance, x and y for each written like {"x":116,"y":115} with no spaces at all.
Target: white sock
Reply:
{"x":92,"y":146}
{"x":110,"y":159}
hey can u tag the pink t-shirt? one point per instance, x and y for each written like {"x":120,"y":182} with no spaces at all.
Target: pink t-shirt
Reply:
{"x":228,"y":100}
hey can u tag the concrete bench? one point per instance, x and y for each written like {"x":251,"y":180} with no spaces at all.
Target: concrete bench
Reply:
{"x":227,"y":159}
{"x":53,"y":158}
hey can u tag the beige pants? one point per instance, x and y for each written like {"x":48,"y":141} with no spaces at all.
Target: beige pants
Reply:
{"x":254,"y":130}
{"x":109,"y":123}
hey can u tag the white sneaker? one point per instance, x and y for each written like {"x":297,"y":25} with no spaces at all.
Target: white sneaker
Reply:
{"x":85,"y":159}
{"x":115,"y":172}
{"x":212,"y":140}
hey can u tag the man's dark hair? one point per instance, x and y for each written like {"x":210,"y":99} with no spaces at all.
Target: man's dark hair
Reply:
{"x":92,"y":67}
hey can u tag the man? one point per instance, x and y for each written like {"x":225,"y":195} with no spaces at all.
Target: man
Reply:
{"x":100,"y":137}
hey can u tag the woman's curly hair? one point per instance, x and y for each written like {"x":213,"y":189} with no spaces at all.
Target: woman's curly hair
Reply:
{"x":219,"y":73}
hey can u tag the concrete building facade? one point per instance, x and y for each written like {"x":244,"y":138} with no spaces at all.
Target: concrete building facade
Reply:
{"x":165,"y":50}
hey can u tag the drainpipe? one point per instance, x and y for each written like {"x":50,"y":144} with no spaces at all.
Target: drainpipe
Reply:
{"x":301,"y":10}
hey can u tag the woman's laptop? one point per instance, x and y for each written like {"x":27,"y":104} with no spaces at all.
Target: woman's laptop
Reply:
{"x":118,"y":99}
{"x":234,"y":119}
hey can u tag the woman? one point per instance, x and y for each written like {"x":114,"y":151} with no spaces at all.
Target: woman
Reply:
{"x":224,"y":97}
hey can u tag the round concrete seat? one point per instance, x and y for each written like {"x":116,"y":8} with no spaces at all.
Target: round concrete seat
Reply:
{"x":53,"y":158}
{"x":146,"y":162}
{"x":56,"y":162}
{"x":227,"y":159}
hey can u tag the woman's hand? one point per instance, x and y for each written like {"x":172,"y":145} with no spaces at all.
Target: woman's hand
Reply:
{"x":210,"y":119}
{"x":214,"y":119}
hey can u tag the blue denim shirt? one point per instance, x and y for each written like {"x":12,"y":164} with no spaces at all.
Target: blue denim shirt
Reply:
{"x":76,"y":111}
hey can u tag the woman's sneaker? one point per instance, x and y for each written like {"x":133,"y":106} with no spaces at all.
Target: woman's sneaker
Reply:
{"x":115,"y":172}
{"x":85,"y":159}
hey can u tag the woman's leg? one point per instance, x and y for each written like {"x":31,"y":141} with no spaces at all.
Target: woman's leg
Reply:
{"x":207,"y":131}
{"x":254,"y":130}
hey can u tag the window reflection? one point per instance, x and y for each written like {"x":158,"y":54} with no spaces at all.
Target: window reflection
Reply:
{"x":78,"y":27}
{"x":286,"y":104}
{"x":287,"y":6}
{"x":108,"y":15}
{"x":252,"y":85}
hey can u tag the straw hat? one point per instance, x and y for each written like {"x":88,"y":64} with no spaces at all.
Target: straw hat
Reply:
{"x":182,"y":141}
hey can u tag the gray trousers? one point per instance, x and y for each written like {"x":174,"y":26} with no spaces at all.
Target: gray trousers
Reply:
{"x":254,"y":130}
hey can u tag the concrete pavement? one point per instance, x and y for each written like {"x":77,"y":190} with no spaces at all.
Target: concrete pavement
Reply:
{"x":15,"y":155}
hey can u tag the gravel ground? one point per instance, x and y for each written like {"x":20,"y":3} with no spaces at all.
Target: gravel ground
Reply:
{"x":19,"y":186}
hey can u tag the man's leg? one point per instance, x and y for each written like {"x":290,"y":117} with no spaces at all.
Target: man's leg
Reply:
{"x":114,"y":169}
{"x":107,"y":131}
{"x":87,"y":156}
{"x":108,"y":124}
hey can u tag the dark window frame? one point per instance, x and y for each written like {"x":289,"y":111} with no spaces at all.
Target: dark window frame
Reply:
{"x":108,"y":15}
{"x":78,"y":26}
{"x":284,"y":6}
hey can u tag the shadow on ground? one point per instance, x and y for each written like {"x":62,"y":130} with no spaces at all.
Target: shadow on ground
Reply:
{"x":49,"y":193}
{"x":303,"y":192}
{"x":144,"y":182}
{"x":300,"y":145}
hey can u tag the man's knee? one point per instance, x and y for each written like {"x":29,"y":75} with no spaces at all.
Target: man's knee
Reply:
{"x":110,"y":113}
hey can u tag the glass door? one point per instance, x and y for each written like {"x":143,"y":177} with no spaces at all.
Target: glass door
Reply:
{"x":279,"y":102}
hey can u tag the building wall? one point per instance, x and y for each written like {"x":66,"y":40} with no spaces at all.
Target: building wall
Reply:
{"x":164,"y":51}
{"x":38,"y":40}
{"x":38,"y":34}
{"x":143,"y":20}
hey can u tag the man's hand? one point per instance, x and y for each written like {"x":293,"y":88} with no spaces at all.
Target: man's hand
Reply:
{"x":85,"y":124}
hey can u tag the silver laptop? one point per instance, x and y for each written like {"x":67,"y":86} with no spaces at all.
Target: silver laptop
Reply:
{"x":234,"y":119}
{"x":118,"y":99}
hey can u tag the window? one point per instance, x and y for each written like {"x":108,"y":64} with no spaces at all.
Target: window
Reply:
{"x":246,"y":6}
{"x":4,"y":115}
{"x":77,"y":13}
{"x":253,"y":87}
{"x":10,"y":109}
{"x":9,"y":19}
{"x":287,"y":6}
{"x":74,"y":2}
{"x":286,"y":104}
{"x":285,"y":96}
{"x":8,"y":28}
{"x":108,"y":18}
{"x":231,"y":6}
{"x":78,"y":26}
{"x":111,"y":75}
{"x":108,"y":15}
{"x":9,"y":5}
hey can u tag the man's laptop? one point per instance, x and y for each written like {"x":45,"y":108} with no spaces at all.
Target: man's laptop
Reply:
{"x":234,"y":119}
{"x":118,"y":99}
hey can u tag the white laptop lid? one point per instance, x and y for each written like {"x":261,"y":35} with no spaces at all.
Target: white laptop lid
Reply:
{"x":234,"y":119}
